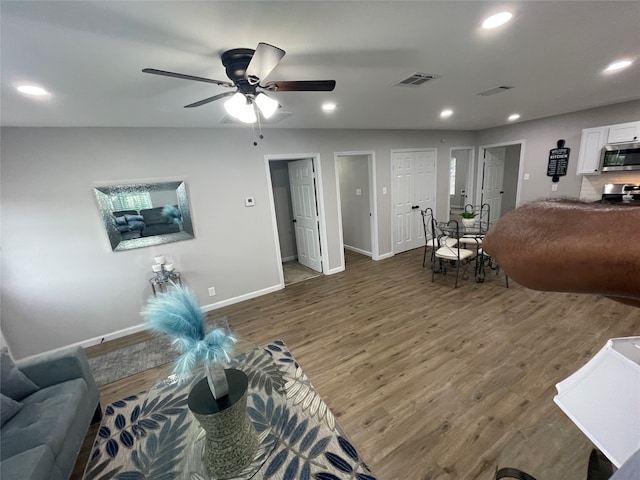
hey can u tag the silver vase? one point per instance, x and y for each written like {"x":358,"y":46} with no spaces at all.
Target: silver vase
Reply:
{"x":231,"y":442}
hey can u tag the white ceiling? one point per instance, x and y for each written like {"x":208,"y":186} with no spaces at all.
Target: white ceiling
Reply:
{"x":89,"y":55}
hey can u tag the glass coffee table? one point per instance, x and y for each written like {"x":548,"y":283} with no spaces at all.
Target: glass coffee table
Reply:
{"x":154,"y":435}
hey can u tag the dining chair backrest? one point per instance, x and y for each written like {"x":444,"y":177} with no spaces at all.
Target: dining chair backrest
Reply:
{"x":483,"y":214}
{"x":427,"y":218}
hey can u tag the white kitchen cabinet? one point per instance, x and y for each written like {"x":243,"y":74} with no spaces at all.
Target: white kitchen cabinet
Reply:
{"x":591,"y":143}
{"x":624,"y":132}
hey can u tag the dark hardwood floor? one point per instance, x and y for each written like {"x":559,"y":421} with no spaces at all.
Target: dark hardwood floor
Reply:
{"x":430,"y":382}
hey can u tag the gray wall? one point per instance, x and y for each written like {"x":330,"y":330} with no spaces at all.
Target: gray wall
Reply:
{"x":353,"y":174}
{"x":283,"y":207}
{"x":541,"y":136}
{"x":62,"y":284}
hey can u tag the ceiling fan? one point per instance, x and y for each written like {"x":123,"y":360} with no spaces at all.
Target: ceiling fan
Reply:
{"x":247,"y":68}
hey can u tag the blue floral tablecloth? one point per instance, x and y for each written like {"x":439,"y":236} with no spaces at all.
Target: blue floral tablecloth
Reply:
{"x":154,"y":436}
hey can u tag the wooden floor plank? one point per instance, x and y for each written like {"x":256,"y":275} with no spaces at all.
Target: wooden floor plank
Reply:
{"x":430,"y":382}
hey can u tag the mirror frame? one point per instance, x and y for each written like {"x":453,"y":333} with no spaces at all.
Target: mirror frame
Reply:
{"x":117,"y":244}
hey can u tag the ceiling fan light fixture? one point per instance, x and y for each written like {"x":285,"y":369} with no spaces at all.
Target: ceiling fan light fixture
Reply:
{"x":267,"y":105}
{"x":248,"y":114}
{"x":240,"y":107}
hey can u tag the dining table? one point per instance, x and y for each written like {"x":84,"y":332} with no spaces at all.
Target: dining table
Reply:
{"x":472,"y":238}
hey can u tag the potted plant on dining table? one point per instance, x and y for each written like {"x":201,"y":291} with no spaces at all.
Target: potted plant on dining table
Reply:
{"x":468,"y":218}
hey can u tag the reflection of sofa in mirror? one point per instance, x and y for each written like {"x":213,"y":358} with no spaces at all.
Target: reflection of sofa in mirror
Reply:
{"x":129,"y":223}
{"x":147,"y":223}
{"x":156,"y":223}
{"x":139,"y":215}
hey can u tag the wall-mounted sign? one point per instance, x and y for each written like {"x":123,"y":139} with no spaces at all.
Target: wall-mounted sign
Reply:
{"x":558,"y":162}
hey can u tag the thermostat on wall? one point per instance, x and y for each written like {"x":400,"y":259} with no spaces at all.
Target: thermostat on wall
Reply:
{"x":249,"y":202}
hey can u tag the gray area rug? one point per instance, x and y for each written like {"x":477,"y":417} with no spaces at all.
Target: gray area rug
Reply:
{"x":128,"y":361}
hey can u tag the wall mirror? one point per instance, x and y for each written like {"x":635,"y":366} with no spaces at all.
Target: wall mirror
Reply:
{"x":145,"y":214}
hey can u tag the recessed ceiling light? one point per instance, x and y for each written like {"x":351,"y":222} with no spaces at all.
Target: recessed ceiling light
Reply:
{"x":619,"y":65}
{"x":329,"y":107}
{"x":446,"y":113}
{"x":496,"y":20}
{"x":32,"y":90}
{"x":513,"y":117}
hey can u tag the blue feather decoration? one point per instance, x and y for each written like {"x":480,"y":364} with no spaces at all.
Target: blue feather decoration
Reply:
{"x":172,"y":212}
{"x":177,"y":313}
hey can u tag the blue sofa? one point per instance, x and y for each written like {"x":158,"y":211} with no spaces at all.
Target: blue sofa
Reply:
{"x":48,"y":403}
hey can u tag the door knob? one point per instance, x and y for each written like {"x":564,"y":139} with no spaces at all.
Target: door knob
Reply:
{"x":415,"y":207}
{"x":294,"y":220}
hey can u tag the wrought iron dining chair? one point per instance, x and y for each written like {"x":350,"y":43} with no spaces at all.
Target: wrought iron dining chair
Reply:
{"x":448,"y":254}
{"x":434,"y":238}
{"x":480,"y":228}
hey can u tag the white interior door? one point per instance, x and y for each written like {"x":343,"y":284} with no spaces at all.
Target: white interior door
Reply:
{"x":414,"y":189}
{"x":305,"y":213}
{"x":493,"y":181}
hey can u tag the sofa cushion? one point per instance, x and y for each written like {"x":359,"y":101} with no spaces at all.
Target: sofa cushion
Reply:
{"x":35,"y":463}
{"x":153,"y":216}
{"x":8,"y":408}
{"x":121,"y":213}
{"x":45,"y":418}
{"x":13,"y":383}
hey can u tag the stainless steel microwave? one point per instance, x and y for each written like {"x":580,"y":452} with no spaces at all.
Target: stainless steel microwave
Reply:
{"x":620,"y":156}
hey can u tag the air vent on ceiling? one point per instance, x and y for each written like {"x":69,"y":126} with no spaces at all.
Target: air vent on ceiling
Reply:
{"x":493,"y":91}
{"x":277,"y":117}
{"x":416,"y":80}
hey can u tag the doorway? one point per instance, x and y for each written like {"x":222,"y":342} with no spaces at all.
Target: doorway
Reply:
{"x":355,"y":186}
{"x":499,"y":179}
{"x":413,"y":176}
{"x":461,"y":180}
{"x":297,"y":216}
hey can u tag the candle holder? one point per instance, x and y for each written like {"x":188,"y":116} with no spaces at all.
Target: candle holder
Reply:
{"x":165,"y":275}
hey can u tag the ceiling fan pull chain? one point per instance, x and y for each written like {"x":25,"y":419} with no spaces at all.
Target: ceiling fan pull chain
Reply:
{"x":260,"y":136}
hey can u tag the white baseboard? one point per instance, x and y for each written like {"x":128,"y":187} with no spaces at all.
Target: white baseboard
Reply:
{"x":289,"y":259}
{"x":384,"y":256}
{"x":139,"y":328}
{"x":336,"y":270}
{"x":357,"y":250}
{"x":98,"y":340}
{"x":241,"y":298}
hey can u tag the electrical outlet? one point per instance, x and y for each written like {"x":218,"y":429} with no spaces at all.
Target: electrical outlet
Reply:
{"x":212,"y":291}
{"x":554,"y":187}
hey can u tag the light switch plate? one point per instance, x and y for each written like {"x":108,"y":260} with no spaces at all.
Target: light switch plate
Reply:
{"x":249,"y":202}
{"x":526,"y":176}
{"x":358,"y":191}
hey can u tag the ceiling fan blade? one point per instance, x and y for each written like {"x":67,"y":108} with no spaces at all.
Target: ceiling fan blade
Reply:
{"x":210,"y":99}
{"x":187,"y":77}
{"x":302,"y":86}
{"x":264,"y":59}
